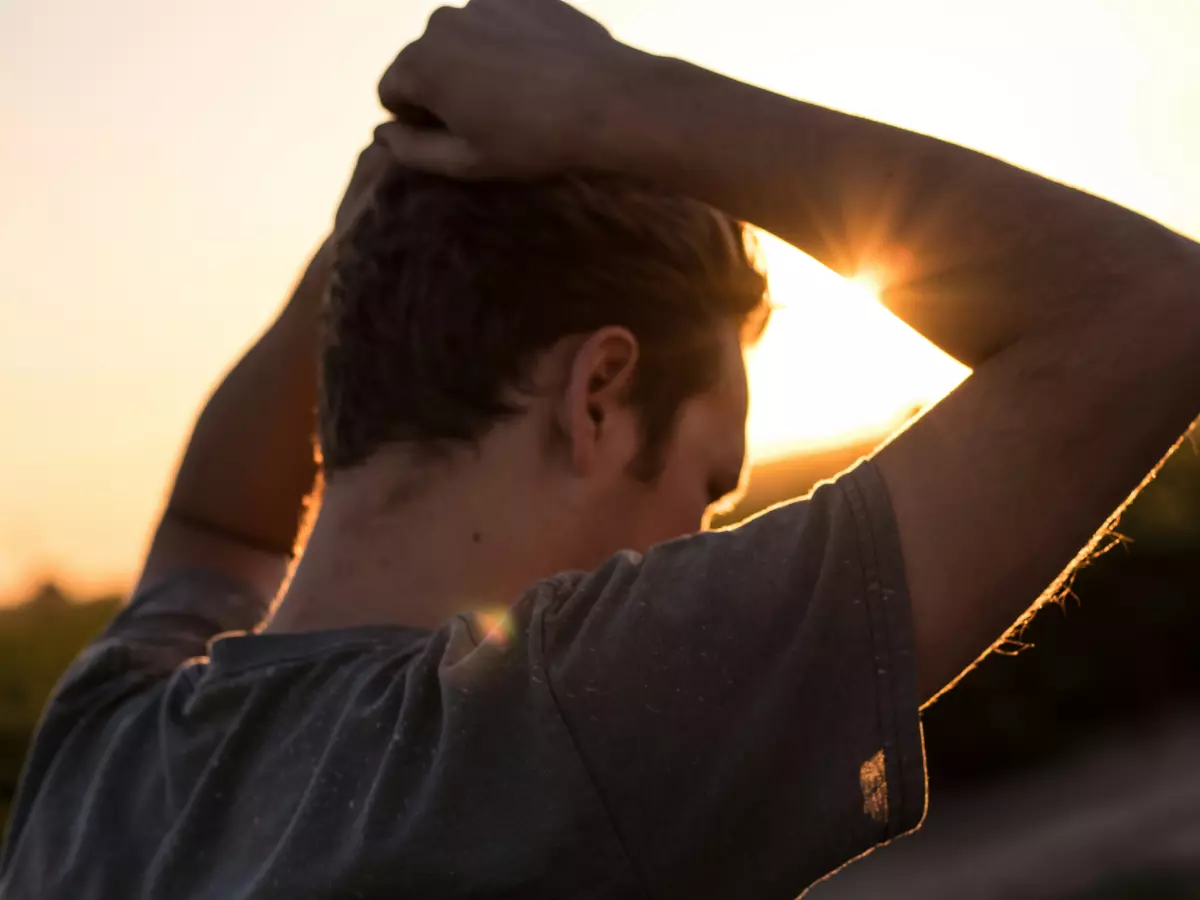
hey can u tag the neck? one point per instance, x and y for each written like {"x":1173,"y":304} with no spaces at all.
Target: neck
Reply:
{"x":416,"y":549}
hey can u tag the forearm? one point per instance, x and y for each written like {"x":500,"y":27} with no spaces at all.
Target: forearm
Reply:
{"x":972,"y":252}
{"x":250,"y":462}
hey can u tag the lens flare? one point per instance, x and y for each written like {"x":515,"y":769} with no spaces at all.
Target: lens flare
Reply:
{"x":496,"y":625}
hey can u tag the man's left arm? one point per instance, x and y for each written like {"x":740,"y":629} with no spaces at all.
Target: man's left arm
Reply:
{"x":238,"y":496}
{"x":221,"y":548}
{"x":224,"y":542}
{"x":226,"y":537}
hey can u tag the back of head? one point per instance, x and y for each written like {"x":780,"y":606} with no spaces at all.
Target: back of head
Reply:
{"x":445,"y":293}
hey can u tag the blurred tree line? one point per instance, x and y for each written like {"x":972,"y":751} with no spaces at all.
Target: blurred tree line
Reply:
{"x":1124,"y":647}
{"x":38,"y":640}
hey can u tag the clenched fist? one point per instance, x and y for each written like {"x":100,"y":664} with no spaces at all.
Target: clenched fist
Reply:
{"x":502,"y":88}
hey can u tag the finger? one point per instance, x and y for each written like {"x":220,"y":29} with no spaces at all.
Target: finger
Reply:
{"x":372,"y":163}
{"x":400,"y":84}
{"x":503,"y":10}
{"x":418,"y":117}
{"x":431,"y":150}
{"x":566,"y":14}
{"x":399,"y":88}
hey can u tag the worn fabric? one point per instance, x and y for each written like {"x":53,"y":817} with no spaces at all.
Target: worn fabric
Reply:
{"x":732,"y":715}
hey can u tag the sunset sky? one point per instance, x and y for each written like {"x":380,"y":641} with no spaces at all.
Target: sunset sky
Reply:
{"x":166,"y":167}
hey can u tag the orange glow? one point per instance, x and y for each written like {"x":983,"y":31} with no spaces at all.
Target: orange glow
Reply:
{"x":834,"y":365}
{"x":158,"y":204}
{"x":497,"y":626}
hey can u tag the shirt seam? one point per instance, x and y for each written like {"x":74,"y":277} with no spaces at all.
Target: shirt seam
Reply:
{"x":865,"y":572}
{"x":236,"y":600}
{"x":315,"y":655}
{"x":885,"y":659}
{"x":544,"y":670}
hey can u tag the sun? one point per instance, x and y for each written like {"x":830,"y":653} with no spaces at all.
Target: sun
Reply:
{"x":834,"y":365}
{"x":864,"y":288}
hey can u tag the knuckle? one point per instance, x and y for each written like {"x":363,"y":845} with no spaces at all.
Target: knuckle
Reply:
{"x":402,"y":79}
{"x":440,"y":18}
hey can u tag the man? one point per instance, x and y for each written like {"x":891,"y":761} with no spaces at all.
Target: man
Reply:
{"x":530,"y":392}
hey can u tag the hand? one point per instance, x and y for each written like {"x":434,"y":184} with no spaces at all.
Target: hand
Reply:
{"x":501,"y":88}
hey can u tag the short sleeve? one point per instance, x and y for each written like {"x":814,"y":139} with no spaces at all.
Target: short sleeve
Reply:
{"x":160,"y":629}
{"x":745,"y":700}
{"x":166,"y":624}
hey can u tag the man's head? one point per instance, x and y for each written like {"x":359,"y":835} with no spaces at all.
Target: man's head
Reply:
{"x":601,"y":320}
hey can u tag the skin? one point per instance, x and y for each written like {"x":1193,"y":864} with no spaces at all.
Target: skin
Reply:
{"x":1080,"y":320}
{"x":525,"y":506}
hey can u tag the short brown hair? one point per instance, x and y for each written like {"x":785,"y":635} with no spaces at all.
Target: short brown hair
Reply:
{"x":444,"y":293}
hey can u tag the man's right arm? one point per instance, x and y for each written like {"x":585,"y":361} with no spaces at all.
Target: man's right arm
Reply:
{"x":1081,"y":319}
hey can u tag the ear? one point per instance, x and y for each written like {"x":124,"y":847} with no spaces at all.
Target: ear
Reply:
{"x":594,"y":413}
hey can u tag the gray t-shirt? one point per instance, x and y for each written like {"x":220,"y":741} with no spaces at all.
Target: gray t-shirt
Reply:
{"x":732,"y":715}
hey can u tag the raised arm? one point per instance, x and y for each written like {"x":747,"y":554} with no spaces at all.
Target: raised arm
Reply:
{"x":237,"y":501}
{"x":1081,"y":319}
{"x":237,"y":497}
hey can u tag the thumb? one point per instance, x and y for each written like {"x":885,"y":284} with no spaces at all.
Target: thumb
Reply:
{"x":433,"y":150}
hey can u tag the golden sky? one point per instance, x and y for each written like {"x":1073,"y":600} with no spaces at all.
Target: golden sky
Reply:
{"x":165,"y":168}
